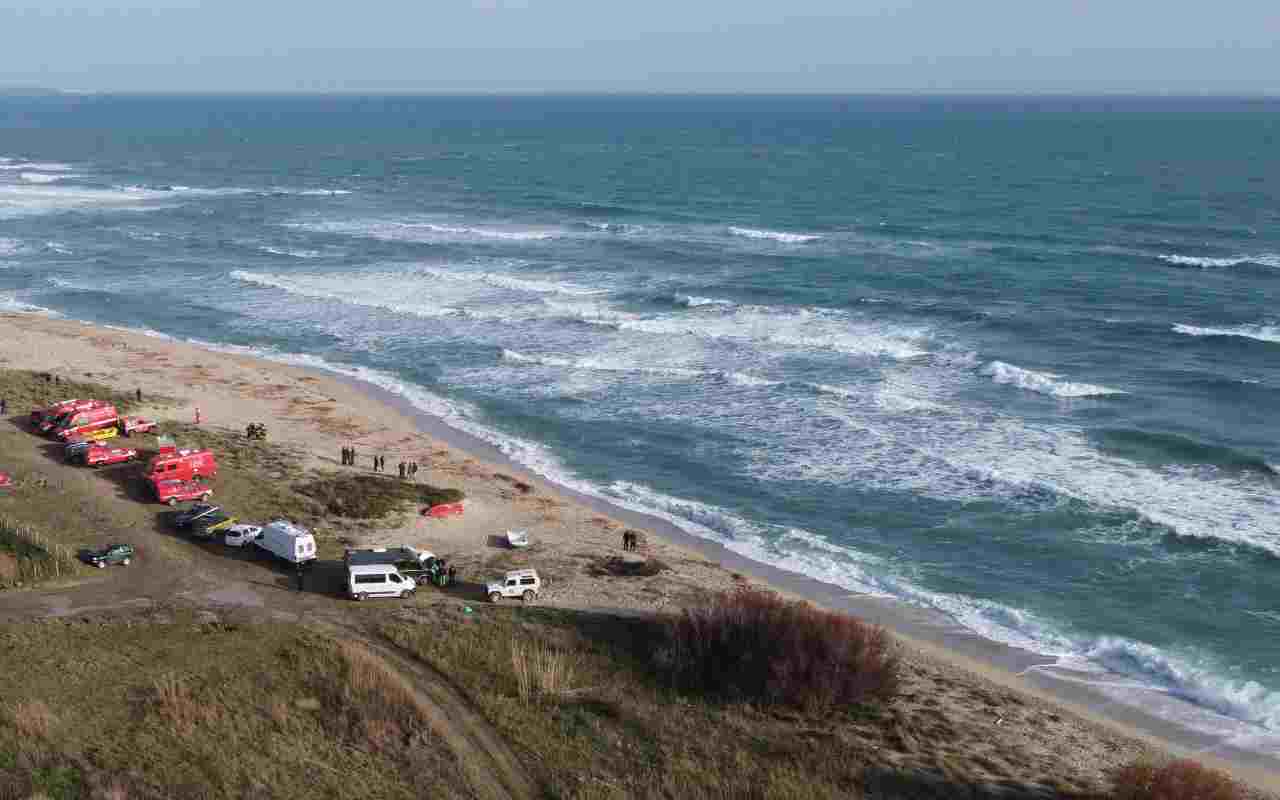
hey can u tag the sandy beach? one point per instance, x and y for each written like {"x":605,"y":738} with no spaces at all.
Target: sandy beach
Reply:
{"x":994,"y":695}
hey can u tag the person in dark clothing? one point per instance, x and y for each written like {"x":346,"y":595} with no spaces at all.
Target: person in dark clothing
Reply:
{"x":375,"y":463}
{"x":401,"y":465}
{"x":301,"y":573}
{"x":4,"y":406}
{"x":453,"y":574}
{"x":138,"y":394}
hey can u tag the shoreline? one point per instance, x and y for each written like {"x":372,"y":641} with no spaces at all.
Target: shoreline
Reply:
{"x":929,"y":632}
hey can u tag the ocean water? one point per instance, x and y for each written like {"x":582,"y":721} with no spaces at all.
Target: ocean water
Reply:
{"x":1015,"y":360}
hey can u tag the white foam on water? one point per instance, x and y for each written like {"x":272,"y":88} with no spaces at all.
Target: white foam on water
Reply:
{"x":1261,"y":333}
{"x":57,"y":247}
{"x":17,"y":200}
{"x":42,"y":177}
{"x":746,"y":379}
{"x":428,"y":232}
{"x":9,"y":303}
{"x":603,"y":363}
{"x":508,"y":281}
{"x":278,"y":251}
{"x":1045,"y":383}
{"x":776,"y":236}
{"x":372,"y":290}
{"x":693,"y":301}
{"x":37,"y":166}
{"x":1263,"y":259}
{"x":802,"y":329}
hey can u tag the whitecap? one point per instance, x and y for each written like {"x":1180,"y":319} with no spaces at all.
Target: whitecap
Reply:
{"x":776,"y":236}
{"x":1205,"y":262}
{"x":1043,"y":382}
{"x":1261,"y":333}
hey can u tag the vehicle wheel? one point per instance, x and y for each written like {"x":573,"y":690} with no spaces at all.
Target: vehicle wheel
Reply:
{"x":494,"y":597}
{"x":172,"y":501}
{"x":362,"y":596}
{"x":528,"y":595}
{"x":101,"y":565}
{"x":125,"y":563}
{"x":406,"y":594}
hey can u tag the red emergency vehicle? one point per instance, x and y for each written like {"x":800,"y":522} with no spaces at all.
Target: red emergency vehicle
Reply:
{"x":46,"y":419}
{"x":183,"y":465}
{"x":100,"y":455}
{"x":174,"y":491}
{"x":87,"y":421}
{"x":132,"y":425}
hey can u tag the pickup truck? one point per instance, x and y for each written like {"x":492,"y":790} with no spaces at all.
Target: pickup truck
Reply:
{"x":111,"y":554}
{"x":101,"y":455}
{"x":176,"y":491}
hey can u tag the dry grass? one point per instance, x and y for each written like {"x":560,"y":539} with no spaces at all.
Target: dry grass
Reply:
{"x":196,"y":710}
{"x":1178,"y":780}
{"x":752,"y":645}
{"x":32,"y":557}
{"x":362,"y":496}
{"x":541,"y":671}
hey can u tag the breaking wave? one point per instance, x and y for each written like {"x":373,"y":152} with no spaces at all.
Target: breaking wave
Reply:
{"x":426,"y":232}
{"x":42,"y":177}
{"x":1204,"y":262}
{"x":693,"y":301}
{"x":601,"y":364}
{"x":1261,"y":333}
{"x":1045,"y":383}
{"x":776,"y":236}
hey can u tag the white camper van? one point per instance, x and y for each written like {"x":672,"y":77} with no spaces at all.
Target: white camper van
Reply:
{"x":378,"y":580}
{"x":287,"y":541}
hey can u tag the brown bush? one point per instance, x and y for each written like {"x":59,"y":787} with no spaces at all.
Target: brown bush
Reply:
{"x":752,"y":645}
{"x":32,"y":719}
{"x":1178,"y":780}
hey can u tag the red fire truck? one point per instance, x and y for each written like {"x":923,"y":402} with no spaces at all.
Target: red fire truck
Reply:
{"x":183,"y":465}
{"x":87,"y":421}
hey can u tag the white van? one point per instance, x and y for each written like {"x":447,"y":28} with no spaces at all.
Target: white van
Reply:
{"x":378,"y":580}
{"x":287,"y":541}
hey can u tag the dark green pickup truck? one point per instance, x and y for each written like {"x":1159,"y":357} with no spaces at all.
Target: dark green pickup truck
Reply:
{"x":120,"y":554}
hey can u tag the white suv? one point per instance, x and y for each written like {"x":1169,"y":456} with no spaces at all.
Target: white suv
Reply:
{"x":522,"y":583}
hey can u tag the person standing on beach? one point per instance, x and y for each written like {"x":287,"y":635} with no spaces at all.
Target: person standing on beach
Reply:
{"x":4,"y":406}
{"x":138,"y":394}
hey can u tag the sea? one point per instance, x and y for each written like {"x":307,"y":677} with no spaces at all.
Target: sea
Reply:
{"x":1013,"y":359}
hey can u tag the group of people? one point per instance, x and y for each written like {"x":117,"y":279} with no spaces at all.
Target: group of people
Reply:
{"x":630,"y":540}
{"x":408,"y":469}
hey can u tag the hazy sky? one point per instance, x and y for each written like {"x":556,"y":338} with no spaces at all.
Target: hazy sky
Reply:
{"x":652,"y":45}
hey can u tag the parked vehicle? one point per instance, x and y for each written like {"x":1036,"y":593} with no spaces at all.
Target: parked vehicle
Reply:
{"x":86,"y":421}
{"x":288,"y":542}
{"x":182,"y":465}
{"x":210,"y":525}
{"x":131,"y":425}
{"x":241,"y":535}
{"x":378,"y":580}
{"x":175,"y":491}
{"x":120,"y":554}
{"x":517,"y":539}
{"x":409,"y":561}
{"x":185,"y":518}
{"x":5,"y":480}
{"x":101,"y":455}
{"x":522,"y":583}
{"x":45,"y":419}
